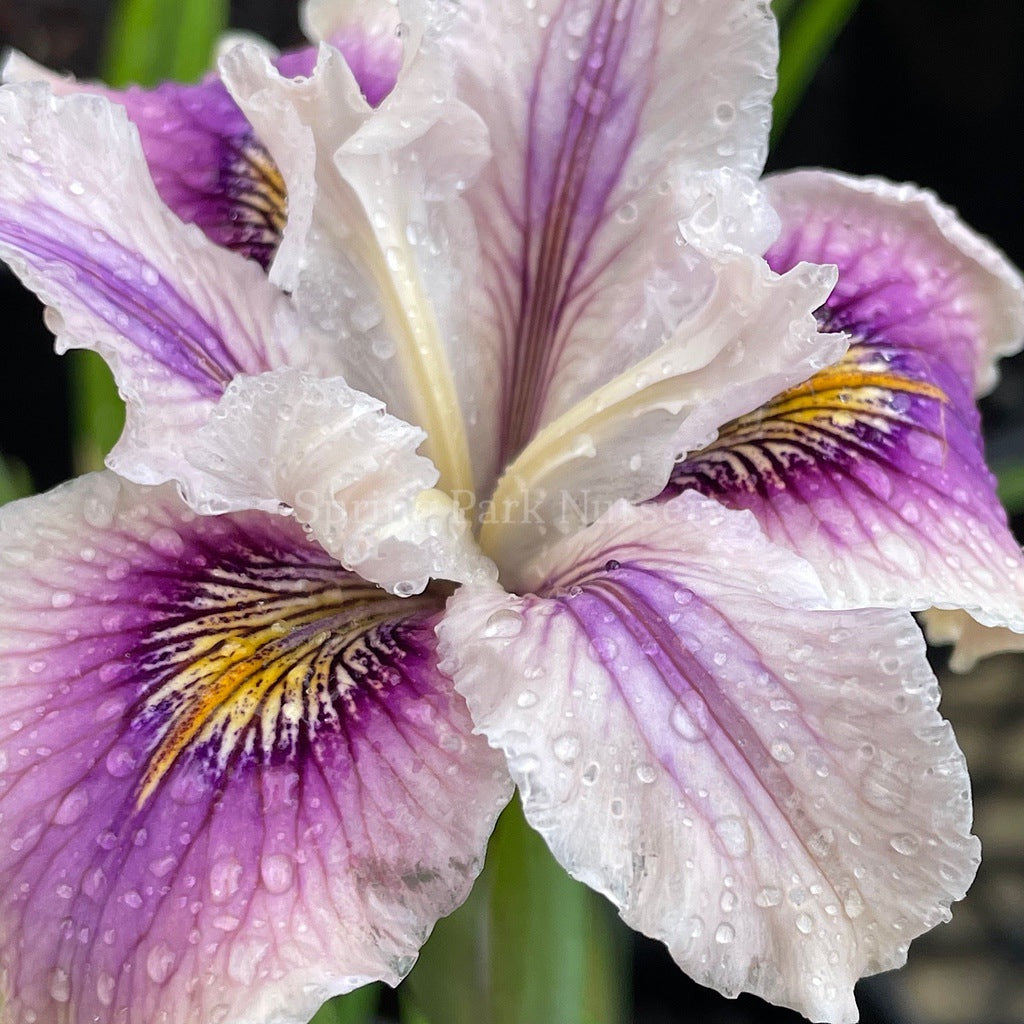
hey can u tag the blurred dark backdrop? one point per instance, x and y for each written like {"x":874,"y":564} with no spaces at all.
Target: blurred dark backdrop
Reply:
{"x":930,"y":91}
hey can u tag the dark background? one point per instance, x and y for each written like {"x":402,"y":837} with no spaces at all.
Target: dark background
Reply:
{"x":930,"y":91}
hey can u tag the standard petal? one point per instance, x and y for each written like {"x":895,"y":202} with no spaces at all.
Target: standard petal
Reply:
{"x":597,"y":110}
{"x":753,"y":337}
{"x":313,"y":447}
{"x":766,"y":787}
{"x":874,"y":470}
{"x":232,"y":781}
{"x":227,"y":183}
{"x":175,"y":316}
{"x":376,"y":252}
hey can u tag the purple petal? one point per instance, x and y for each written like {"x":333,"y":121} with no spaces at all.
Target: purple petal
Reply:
{"x":765,"y":786}
{"x":874,"y":469}
{"x":206,"y":161}
{"x":233,"y":782}
{"x":175,"y":316}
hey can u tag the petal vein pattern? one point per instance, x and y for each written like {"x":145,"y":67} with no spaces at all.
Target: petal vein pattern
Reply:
{"x":372,"y":206}
{"x":874,"y":469}
{"x":765,"y":785}
{"x":174,"y":315}
{"x":232,"y":780}
{"x":597,"y":112}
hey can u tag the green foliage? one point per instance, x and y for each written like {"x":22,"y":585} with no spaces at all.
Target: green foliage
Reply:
{"x":531,"y":944}
{"x":15,"y":481}
{"x":808,"y":29}
{"x":359,"y":1007}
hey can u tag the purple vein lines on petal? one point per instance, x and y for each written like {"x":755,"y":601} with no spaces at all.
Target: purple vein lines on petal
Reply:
{"x":120,"y":288}
{"x":566,"y":188}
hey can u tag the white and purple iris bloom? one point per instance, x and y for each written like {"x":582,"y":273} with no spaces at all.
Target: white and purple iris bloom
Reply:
{"x":473,"y":438}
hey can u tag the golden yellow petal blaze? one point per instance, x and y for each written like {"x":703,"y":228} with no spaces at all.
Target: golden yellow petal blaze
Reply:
{"x":245,"y":677}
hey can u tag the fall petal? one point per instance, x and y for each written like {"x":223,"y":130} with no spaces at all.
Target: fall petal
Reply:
{"x":174,"y":315}
{"x":765,"y":786}
{"x":874,"y":470}
{"x":233,"y":782}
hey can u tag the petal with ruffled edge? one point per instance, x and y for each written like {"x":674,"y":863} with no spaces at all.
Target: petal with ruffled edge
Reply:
{"x":228,"y":184}
{"x":765,"y":786}
{"x":232,"y":780}
{"x":754,"y":336}
{"x":372,"y":208}
{"x":291,"y":443}
{"x":874,"y":469}
{"x":174,"y":315}
{"x":598,"y":110}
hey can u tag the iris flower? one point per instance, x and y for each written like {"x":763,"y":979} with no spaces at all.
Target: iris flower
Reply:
{"x":488,"y":422}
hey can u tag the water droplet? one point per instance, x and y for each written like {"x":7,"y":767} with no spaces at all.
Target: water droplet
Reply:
{"x":160,"y":963}
{"x":618,"y":808}
{"x":782,"y":752}
{"x":506,"y":622}
{"x":105,"y":985}
{"x":225,"y":879}
{"x":71,"y":808}
{"x":905,"y":844}
{"x":567,"y":747}
{"x":277,"y":873}
{"x":725,"y":934}
{"x":62,"y":599}
{"x":804,"y":924}
{"x":685,"y":724}
{"x":646,"y":773}
{"x":590,"y":773}
{"x":120,"y":762}
{"x":734,"y":835}
{"x":60,"y":985}
{"x":527,"y":699}
{"x":769,"y":896}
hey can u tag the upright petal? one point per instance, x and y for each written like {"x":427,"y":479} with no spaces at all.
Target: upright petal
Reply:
{"x":374,"y":250}
{"x":232,"y":780}
{"x":874,"y":469}
{"x":765,"y":786}
{"x":753,"y":337}
{"x":174,"y":315}
{"x":598,"y":111}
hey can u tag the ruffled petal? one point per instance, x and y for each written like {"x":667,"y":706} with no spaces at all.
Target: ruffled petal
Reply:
{"x":175,"y":316}
{"x":232,"y":780}
{"x":874,"y":469}
{"x":599,"y":111}
{"x":765,"y":786}
{"x":374,"y":251}
{"x":295,"y":444}
{"x":753,"y":337}
{"x":228,"y":184}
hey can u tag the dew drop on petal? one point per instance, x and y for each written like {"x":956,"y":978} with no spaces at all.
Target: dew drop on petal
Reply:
{"x":567,"y":747}
{"x":725,"y":934}
{"x":527,"y":699}
{"x":277,"y":873}
{"x":769,"y":896}
{"x":735,"y":837}
{"x":160,"y":963}
{"x":506,"y":622}
{"x":60,"y":985}
{"x":804,"y":924}
{"x":905,"y":844}
{"x":105,"y":986}
{"x":71,"y":808}
{"x":782,"y":752}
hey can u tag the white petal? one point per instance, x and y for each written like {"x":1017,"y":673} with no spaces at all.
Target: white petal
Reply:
{"x":348,"y":471}
{"x":753,"y":338}
{"x":766,"y":787}
{"x":372,"y":210}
